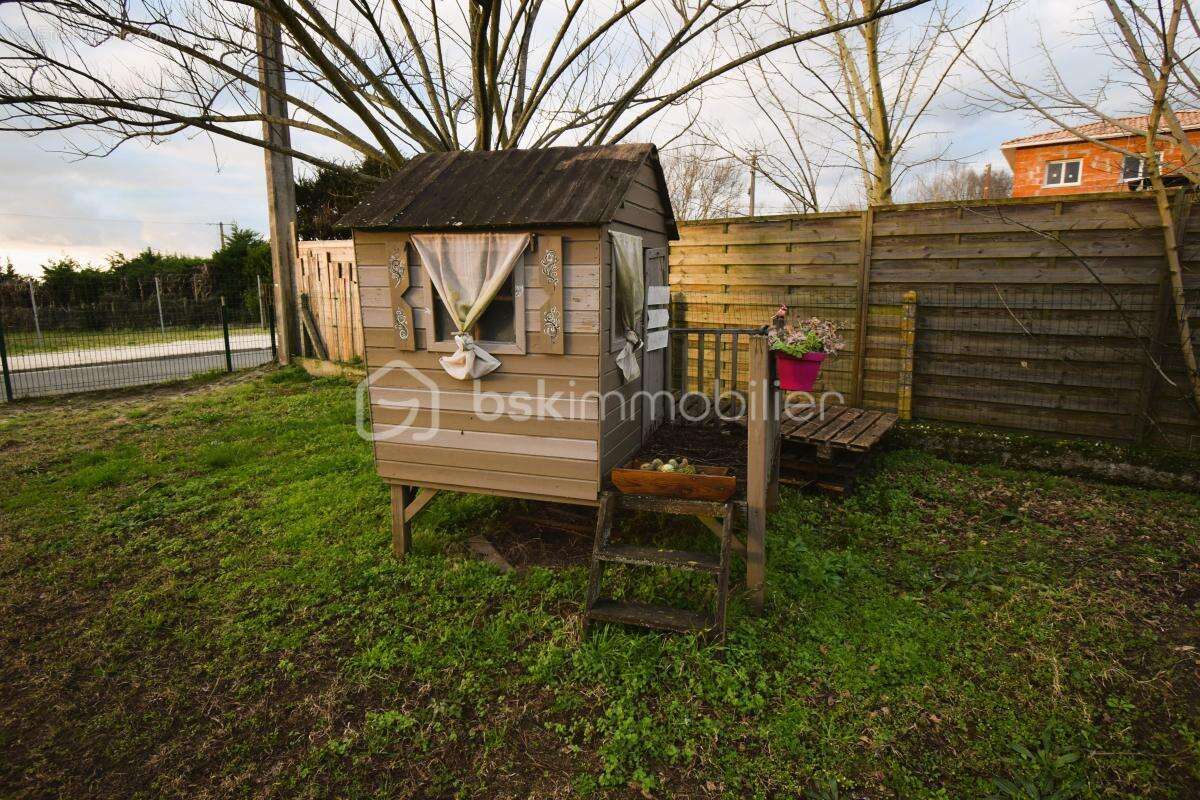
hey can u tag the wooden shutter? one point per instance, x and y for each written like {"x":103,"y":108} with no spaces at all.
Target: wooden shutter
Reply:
{"x":548,"y":334}
{"x":401,"y":261}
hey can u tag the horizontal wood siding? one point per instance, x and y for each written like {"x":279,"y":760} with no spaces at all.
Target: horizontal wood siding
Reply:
{"x":1033,"y":314}
{"x":433,"y":430}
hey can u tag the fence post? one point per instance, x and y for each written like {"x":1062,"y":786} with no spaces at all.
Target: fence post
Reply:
{"x":162,"y":328}
{"x":864,"y":298}
{"x":262,"y":323}
{"x":8,"y":389}
{"x":762,"y":442}
{"x":36,"y":322}
{"x":225,"y":331}
{"x":271,"y":324}
{"x":908,"y":341}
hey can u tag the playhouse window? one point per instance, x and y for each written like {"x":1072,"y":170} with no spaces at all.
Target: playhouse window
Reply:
{"x":1064,"y":173}
{"x":498,"y":324}
{"x":501,"y":329}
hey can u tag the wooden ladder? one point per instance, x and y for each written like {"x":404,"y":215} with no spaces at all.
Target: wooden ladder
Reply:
{"x":647,"y":615}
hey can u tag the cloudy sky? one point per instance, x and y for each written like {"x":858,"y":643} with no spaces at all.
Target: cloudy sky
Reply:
{"x":170,"y":196}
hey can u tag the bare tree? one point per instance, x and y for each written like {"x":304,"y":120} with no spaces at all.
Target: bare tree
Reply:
{"x":1151,"y":46}
{"x":380,"y":78}
{"x":787,"y":157}
{"x":960,"y":182}
{"x":854,"y":102}
{"x":703,"y":184}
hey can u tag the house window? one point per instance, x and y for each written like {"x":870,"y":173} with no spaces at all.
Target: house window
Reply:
{"x":1064,"y":173}
{"x":1133,"y":168}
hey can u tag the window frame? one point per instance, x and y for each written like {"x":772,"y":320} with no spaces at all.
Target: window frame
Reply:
{"x":1063,"y":162}
{"x":1141,"y":162}
{"x":431,"y":299}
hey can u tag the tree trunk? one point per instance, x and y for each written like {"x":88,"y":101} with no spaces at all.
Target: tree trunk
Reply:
{"x":1175,"y":269}
{"x":881,"y":134}
{"x":1159,"y":93}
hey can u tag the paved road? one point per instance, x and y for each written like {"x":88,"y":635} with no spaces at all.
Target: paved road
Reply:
{"x":137,"y":352}
{"x":82,"y":376}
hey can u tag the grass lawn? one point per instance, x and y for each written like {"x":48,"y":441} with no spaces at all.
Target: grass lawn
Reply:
{"x":26,"y":342}
{"x":198,"y":601}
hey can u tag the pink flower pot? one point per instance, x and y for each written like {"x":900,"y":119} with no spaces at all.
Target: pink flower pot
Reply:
{"x":798,"y":374}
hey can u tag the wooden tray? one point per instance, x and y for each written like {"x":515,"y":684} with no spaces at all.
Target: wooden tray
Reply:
{"x":709,"y":483}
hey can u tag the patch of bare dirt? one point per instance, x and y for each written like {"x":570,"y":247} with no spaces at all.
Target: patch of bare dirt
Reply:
{"x":550,"y":535}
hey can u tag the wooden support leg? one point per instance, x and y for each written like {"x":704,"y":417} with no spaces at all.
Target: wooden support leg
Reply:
{"x":723,"y":577}
{"x":711,"y":523}
{"x":417,"y":503}
{"x":401,"y":527}
{"x":756,"y":554}
{"x":604,"y":521}
{"x":762,"y":440}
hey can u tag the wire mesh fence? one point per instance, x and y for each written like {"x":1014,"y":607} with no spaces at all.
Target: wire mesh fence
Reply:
{"x":52,"y":350}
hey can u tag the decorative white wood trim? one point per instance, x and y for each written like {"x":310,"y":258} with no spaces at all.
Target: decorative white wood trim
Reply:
{"x":399,"y":270}
{"x":549,"y":317}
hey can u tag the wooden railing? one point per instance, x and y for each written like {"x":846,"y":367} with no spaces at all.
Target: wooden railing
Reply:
{"x":713,"y":362}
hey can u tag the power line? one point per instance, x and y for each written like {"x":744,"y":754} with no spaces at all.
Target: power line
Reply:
{"x":107,"y":219}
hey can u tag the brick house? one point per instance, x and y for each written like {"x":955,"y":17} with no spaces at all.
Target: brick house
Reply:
{"x":1059,"y":162}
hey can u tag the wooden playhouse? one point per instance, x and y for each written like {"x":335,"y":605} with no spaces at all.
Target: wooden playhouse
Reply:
{"x":551,"y":234}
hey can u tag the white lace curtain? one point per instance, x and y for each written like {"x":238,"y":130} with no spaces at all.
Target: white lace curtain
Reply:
{"x":468,"y":269}
{"x":631,"y":300}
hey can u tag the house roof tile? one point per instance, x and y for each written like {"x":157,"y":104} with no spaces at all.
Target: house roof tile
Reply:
{"x":1125,"y":126}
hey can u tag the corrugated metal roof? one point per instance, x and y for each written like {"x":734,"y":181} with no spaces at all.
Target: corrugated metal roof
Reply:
{"x":1188,"y":120}
{"x":509,"y":188}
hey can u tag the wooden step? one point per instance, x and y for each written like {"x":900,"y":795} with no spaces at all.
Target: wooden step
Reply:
{"x":670,"y":505}
{"x":663,"y":618}
{"x":654,"y":557}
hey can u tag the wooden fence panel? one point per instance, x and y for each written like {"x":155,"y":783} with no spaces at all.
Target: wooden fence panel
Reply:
{"x":1034,"y":314}
{"x":326,"y":272}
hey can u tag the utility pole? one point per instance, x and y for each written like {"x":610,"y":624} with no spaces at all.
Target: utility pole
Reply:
{"x":281,"y":186}
{"x":753,"y":172}
{"x":221,"y":228}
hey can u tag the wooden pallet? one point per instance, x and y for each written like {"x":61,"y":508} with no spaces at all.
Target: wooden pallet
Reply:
{"x":829,"y":450}
{"x":841,"y":427}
